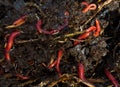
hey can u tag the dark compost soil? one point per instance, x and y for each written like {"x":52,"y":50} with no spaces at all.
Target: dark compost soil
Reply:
{"x":32,"y":52}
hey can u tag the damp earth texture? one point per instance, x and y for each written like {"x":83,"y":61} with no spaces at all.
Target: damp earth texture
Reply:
{"x":59,"y":43}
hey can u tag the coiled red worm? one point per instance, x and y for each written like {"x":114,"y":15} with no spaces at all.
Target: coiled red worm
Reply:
{"x":89,"y":7}
{"x":10,"y":44}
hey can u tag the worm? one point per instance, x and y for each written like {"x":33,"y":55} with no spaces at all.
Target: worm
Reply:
{"x":98,"y":28}
{"x":89,"y":7}
{"x":81,"y":74}
{"x":10,"y":44}
{"x":111,"y":78}
{"x":81,"y":71}
{"x":52,"y":65}
{"x":22,"y":77}
{"x":81,"y":37}
{"x":90,"y":29}
{"x":53,"y":31}
{"x":60,"y":54}
{"x":20,"y":21}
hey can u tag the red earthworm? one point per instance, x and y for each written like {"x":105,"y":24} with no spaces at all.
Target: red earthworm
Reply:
{"x":64,"y":25}
{"x":20,"y":21}
{"x":86,"y":34}
{"x":81,"y":74}
{"x":112,"y":78}
{"x":90,"y":29}
{"x":22,"y":77}
{"x":10,"y":43}
{"x":52,"y":64}
{"x":38,"y":26}
{"x":53,"y":31}
{"x":96,"y":31}
{"x":11,"y":39}
{"x":60,"y":54}
{"x":81,"y":37}
{"x":98,"y":28}
{"x":89,"y":7}
{"x":40,"y":30}
{"x":81,"y":71}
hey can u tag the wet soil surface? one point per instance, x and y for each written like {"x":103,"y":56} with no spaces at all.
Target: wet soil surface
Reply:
{"x":32,"y":51}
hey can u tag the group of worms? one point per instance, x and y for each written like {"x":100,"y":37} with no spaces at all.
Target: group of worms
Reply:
{"x":92,"y":30}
